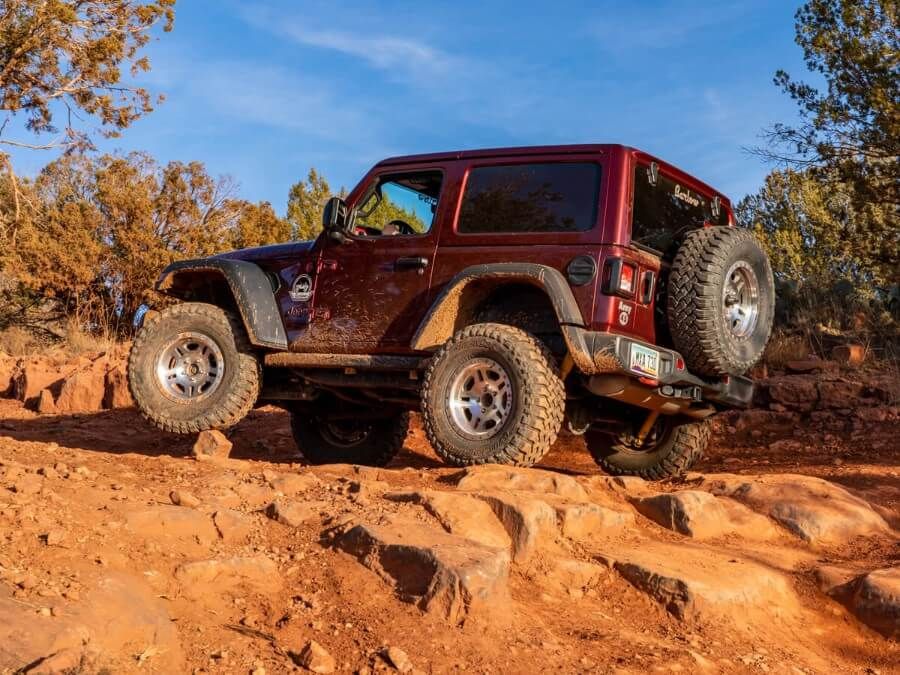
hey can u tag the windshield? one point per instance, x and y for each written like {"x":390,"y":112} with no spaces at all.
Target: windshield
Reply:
{"x":663,"y":212}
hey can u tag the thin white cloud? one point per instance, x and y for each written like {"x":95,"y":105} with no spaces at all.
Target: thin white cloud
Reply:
{"x":400,"y":58}
{"x":384,"y":52}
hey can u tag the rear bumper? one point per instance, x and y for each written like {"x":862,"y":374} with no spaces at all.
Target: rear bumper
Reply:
{"x":597,"y":353}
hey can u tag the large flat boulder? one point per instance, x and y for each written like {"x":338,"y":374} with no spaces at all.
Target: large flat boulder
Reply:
{"x":9,"y":366}
{"x":567,"y":577}
{"x":797,"y":393}
{"x":202,"y":577}
{"x":693,"y":582}
{"x":460,"y":514}
{"x":815,"y":510}
{"x":874,"y":599}
{"x":294,"y":513}
{"x":119,"y":617}
{"x":530,"y":522}
{"x":584,"y":521}
{"x":291,"y":484}
{"x":83,"y":390}
{"x":35,"y":374}
{"x":179,"y":522}
{"x":442,"y":573}
{"x":116,"y":393}
{"x":496,"y":477}
{"x":701,"y":515}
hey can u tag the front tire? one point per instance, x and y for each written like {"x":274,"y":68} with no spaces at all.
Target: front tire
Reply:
{"x":368,"y":442}
{"x":191,"y":368}
{"x":492,"y":394}
{"x":670,"y":449}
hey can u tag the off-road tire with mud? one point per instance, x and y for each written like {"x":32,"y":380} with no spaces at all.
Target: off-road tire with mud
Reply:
{"x":698,"y":286}
{"x":681,"y":444}
{"x":236,"y":392}
{"x":366,"y":442}
{"x":533,"y":413}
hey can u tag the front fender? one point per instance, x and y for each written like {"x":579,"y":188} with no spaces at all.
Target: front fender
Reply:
{"x":249,"y":286}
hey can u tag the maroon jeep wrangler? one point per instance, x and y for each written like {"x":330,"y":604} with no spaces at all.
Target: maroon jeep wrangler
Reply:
{"x":500,"y":292}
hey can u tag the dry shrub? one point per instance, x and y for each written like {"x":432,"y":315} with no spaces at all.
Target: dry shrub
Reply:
{"x":80,"y":341}
{"x":17,"y":341}
{"x":784,"y":347}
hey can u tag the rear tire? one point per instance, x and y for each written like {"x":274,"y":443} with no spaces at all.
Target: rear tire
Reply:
{"x":492,"y":394}
{"x":366,"y":442}
{"x":721,"y":301}
{"x":673,"y":446}
{"x":204,"y":337}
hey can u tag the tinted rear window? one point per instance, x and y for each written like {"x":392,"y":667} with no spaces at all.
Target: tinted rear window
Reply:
{"x":530,"y":198}
{"x":664,"y":212}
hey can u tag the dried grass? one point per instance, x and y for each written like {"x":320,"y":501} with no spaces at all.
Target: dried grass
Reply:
{"x":17,"y":341}
{"x":79,"y":341}
{"x":784,"y":347}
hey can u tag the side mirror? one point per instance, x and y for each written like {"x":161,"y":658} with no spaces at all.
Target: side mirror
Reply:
{"x":334,"y":217}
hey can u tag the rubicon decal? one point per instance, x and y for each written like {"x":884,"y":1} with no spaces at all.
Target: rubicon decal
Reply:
{"x":624,"y":313}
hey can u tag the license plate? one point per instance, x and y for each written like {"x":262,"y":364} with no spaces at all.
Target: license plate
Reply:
{"x":644,"y":361}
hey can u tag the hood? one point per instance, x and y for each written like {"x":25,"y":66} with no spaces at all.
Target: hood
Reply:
{"x":272,"y":251}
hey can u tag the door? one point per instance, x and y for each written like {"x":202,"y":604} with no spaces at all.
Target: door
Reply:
{"x":371,"y":291}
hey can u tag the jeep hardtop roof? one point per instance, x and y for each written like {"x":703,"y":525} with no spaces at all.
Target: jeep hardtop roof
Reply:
{"x":536,"y":150}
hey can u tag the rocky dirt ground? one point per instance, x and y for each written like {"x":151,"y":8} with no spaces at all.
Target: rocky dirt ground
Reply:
{"x":121,"y":552}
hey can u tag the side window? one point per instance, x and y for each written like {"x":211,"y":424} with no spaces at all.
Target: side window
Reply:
{"x":400,"y":204}
{"x":664,"y":211}
{"x":559,"y":197}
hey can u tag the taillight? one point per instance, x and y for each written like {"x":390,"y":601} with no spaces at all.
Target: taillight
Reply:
{"x":619,"y":277}
{"x":626,"y":279}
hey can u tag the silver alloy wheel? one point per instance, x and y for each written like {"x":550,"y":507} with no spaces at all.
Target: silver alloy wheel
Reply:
{"x":480,"y":398}
{"x":740,"y":299}
{"x":190,"y":367}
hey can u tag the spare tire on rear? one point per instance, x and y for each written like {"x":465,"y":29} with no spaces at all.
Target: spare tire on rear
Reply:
{"x":721,"y":301}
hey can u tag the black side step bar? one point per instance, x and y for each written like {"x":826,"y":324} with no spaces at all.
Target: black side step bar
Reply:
{"x":367,"y":361}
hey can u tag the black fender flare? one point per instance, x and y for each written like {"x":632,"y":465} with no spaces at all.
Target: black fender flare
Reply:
{"x":251,"y":289}
{"x":440,"y":322}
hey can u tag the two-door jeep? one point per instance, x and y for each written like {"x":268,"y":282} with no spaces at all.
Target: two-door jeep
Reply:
{"x":501,"y":292}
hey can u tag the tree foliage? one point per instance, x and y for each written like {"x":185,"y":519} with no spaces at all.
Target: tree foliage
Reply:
{"x":258,"y":224}
{"x":306,"y":200}
{"x":386,"y":211}
{"x":850,"y":132}
{"x":812,"y":235}
{"x":65,"y":57}
{"x":97,"y":231}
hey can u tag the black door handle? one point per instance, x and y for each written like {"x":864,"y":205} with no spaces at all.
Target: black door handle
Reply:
{"x":415,"y":263}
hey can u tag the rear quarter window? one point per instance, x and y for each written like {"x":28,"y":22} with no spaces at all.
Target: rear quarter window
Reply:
{"x":558,"y":197}
{"x":662,"y":213}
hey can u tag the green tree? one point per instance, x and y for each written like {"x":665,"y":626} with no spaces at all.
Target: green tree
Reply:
{"x":306,"y":200}
{"x":386,"y":211}
{"x":849,"y":134}
{"x":833,"y":213}
{"x":811,"y":232}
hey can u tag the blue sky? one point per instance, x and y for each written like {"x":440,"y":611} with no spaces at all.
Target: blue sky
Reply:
{"x":263,"y":90}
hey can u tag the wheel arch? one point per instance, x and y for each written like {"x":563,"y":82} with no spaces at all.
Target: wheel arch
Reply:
{"x":234,"y":284}
{"x":459,"y":301}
